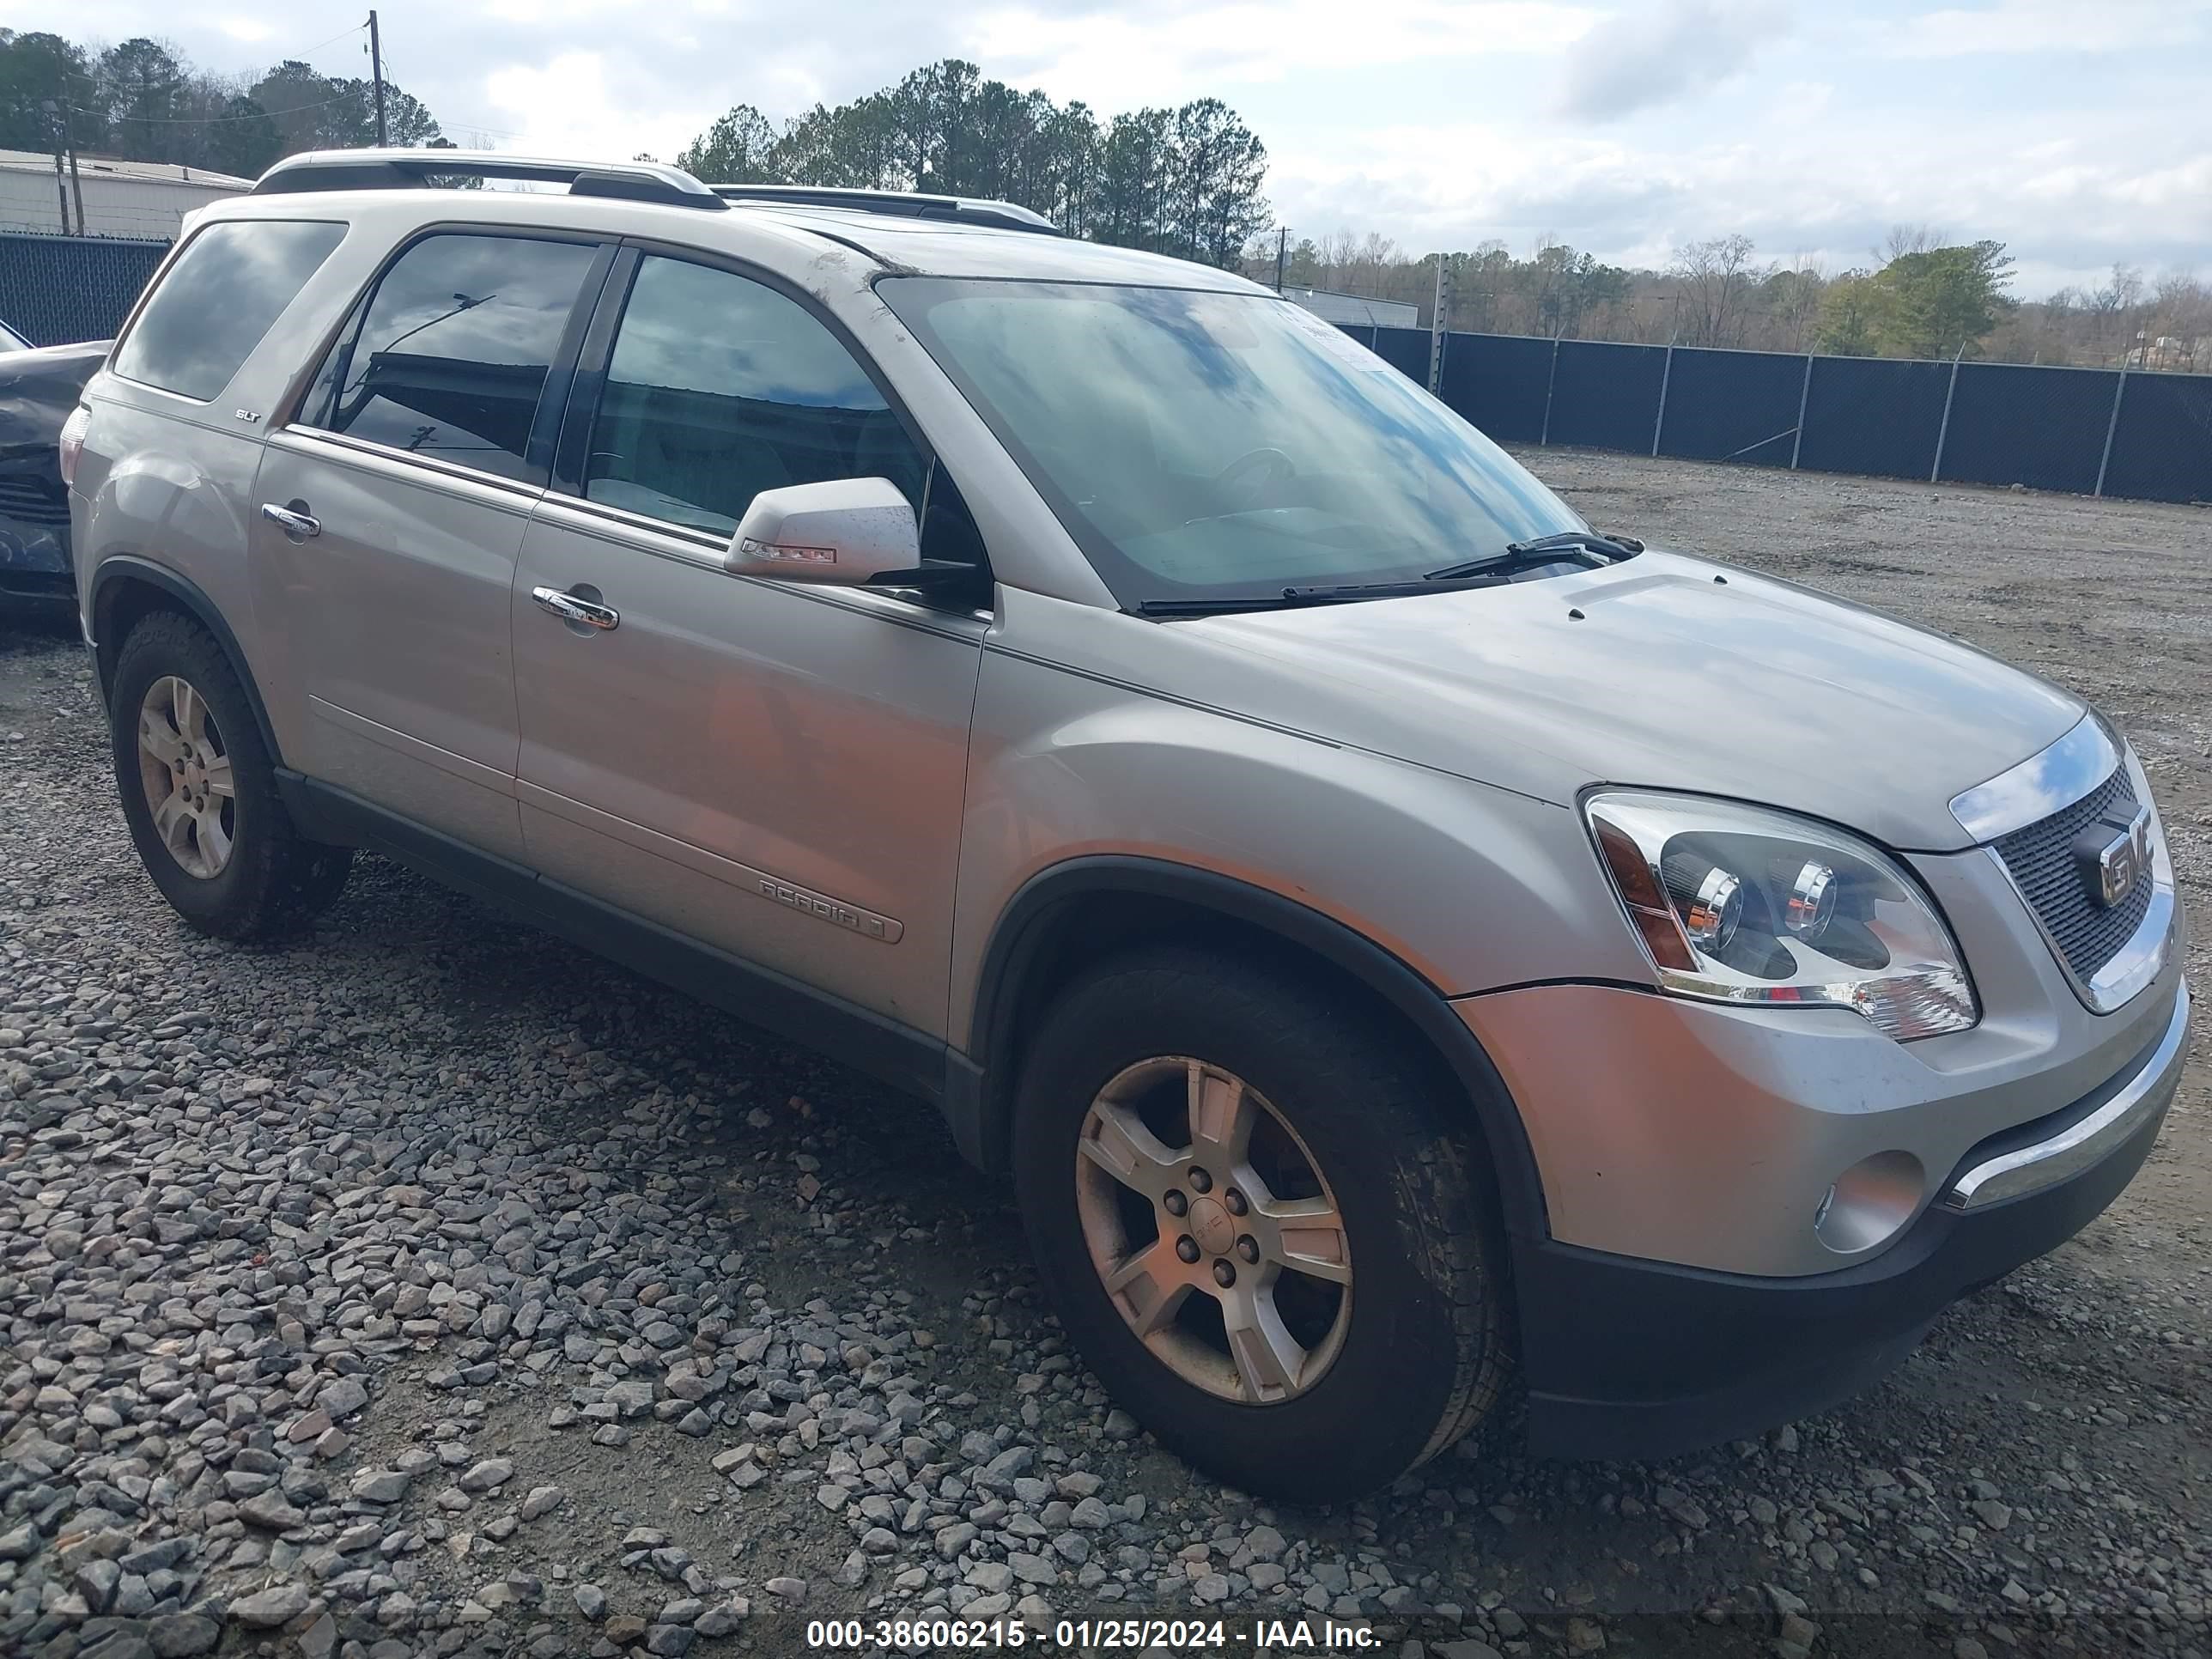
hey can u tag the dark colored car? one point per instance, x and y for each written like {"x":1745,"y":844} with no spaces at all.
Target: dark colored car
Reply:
{"x":38,"y":387}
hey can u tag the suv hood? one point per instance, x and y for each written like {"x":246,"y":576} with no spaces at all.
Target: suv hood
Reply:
{"x":1663,"y":671}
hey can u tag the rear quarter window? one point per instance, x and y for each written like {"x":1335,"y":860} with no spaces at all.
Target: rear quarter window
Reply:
{"x":225,"y":291}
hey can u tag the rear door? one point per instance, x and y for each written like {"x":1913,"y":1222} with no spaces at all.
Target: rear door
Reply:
{"x":771,"y":770}
{"x":390,"y":511}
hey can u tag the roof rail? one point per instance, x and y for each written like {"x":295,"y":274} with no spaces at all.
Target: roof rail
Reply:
{"x":404,"y":169}
{"x":904,"y":204}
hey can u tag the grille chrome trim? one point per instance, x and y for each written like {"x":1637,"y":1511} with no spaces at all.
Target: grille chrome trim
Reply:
{"x":2030,"y":1168}
{"x":2044,"y":783}
{"x":2130,"y":967}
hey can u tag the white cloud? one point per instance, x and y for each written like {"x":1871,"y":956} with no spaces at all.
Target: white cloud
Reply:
{"x":2079,"y":135}
{"x":2120,"y":186}
{"x":2053,"y":25}
{"x":1172,"y":49}
{"x":1666,"y":53}
{"x":565,"y":107}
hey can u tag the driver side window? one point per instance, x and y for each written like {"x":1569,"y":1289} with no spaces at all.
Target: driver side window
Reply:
{"x":719,"y":388}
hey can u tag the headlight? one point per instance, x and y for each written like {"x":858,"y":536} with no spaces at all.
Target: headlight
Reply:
{"x":1740,"y":904}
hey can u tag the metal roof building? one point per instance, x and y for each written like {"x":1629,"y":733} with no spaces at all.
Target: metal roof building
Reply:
{"x":144,"y":200}
{"x":1355,"y":309}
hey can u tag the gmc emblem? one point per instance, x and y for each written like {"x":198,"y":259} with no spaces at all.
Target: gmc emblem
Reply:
{"x":2113,"y":854}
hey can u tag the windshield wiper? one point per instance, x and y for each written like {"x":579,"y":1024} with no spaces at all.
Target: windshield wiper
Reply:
{"x":1476,"y":573}
{"x":1290,"y":598}
{"x":1213,"y":607}
{"x":1543,"y":550}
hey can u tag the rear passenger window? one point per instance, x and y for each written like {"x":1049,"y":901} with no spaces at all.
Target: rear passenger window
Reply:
{"x":451,"y":353}
{"x":719,"y":387}
{"x":229,"y":285}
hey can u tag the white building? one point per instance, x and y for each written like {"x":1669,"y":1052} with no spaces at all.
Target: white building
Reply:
{"x":1355,"y":309}
{"x":146,"y":200}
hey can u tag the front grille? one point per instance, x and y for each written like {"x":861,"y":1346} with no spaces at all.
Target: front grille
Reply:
{"x":2041,"y":859}
{"x":29,"y":499}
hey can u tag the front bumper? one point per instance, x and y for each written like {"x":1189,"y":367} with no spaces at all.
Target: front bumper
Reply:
{"x":1626,"y":1357}
{"x":34,"y":536}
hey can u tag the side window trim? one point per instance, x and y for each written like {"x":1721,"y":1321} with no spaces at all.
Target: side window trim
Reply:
{"x":592,"y":371}
{"x":545,"y":432}
{"x":560,"y":372}
{"x":588,"y":381}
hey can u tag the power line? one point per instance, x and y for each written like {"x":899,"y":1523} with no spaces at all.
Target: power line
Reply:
{"x":299,"y":56}
{"x":392,"y":78}
{"x":355,"y":29}
{"x":207,"y":120}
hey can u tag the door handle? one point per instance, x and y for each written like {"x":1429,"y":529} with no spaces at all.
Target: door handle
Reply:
{"x":569,"y":608}
{"x":296,"y":523}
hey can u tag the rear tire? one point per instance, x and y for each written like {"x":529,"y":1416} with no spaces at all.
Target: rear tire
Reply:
{"x":1321,"y":1311}
{"x":199,"y":790}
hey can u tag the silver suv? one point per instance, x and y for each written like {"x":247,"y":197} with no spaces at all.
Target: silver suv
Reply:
{"x":1393,"y":936}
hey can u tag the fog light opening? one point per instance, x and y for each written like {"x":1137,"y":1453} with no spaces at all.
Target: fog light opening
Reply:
{"x":1869,"y":1203}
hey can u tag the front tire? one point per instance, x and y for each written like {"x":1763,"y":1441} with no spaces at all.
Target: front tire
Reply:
{"x":1256,"y":1224}
{"x":199,"y":791}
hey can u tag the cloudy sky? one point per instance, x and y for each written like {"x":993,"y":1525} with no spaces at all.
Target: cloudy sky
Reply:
{"x":2077,"y":133}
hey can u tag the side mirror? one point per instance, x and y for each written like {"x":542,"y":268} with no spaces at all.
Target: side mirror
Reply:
{"x":846,"y":531}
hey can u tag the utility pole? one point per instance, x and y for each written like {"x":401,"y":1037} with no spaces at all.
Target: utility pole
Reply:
{"x":376,"y":69}
{"x":1282,"y":248}
{"x":77,"y":187}
{"x":61,"y":184}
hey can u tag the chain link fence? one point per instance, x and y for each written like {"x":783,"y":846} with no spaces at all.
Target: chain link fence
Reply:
{"x":58,"y":290}
{"x":2143,"y":434}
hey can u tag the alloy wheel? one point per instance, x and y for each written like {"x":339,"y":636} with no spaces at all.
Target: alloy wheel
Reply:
{"x":1213,"y":1230}
{"x":186,"y":772}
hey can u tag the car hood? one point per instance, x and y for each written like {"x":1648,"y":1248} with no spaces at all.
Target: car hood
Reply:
{"x":1664,"y":672}
{"x":38,"y":390}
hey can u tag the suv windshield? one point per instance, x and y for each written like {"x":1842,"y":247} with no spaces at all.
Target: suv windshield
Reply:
{"x":1218,"y":446}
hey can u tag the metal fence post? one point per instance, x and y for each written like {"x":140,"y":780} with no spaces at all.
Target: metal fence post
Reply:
{"x":1804,"y":393}
{"x":2112,"y":426}
{"x":1545,"y":436}
{"x":1665,"y":374}
{"x":1438,"y":313}
{"x":1943,"y":431}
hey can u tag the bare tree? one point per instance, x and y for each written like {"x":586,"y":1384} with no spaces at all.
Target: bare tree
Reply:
{"x":1906,"y":239}
{"x":1793,"y":301}
{"x":1377,"y":253}
{"x":1715,"y":280}
{"x":1339,"y":251}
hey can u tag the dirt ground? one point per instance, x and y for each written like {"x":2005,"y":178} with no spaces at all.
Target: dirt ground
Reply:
{"x":478,"y":1174}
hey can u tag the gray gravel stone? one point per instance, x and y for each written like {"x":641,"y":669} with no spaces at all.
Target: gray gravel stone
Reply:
{"x":487,"y":1475}
{"x":266,"y":1609}
{"x":179,"y":1635}
{"x":344,"y":1228}
{"x":542,"y":1500}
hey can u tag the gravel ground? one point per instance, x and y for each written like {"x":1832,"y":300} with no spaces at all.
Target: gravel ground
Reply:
{"x":431,"y":1287}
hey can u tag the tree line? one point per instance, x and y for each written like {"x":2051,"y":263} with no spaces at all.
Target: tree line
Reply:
{"x":1918,"y":295}
{"x":1189,"y":181}
{"x":143,"y":101}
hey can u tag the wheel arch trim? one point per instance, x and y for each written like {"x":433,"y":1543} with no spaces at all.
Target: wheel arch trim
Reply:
{"x":1026,"y":927}
{"x":107,"y":584}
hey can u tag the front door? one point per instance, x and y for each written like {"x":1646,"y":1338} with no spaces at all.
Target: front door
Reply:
{"x":389,"y":515}
{"x":773,"y":771}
